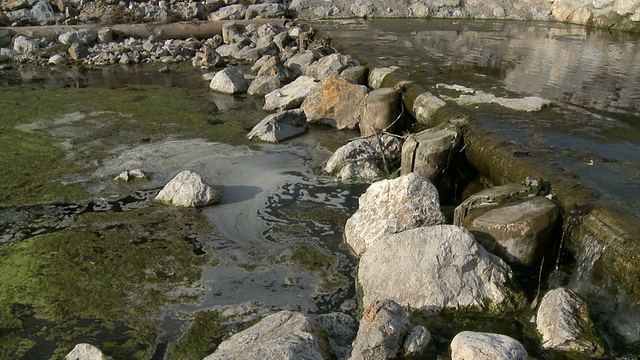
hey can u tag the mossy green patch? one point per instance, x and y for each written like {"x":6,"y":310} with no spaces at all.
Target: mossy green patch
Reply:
{"x":319,"y":263}
{"x":107,"y":273}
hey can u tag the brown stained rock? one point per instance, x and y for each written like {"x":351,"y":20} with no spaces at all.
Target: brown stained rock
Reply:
{"x":336,"y":102}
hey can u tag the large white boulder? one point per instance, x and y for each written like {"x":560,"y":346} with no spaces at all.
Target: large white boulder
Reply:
{"x":283,"y":335}
{"x":289,"y":96}
{"x":392,"y":206}
{"x":361,"y":158}
{"x":231,"y":80}
{"x":85,"y":351}
{"x":280,"y":126}
{"x":433,"y":267}
{"x":189,"y":190}
{"x":486,"y":346}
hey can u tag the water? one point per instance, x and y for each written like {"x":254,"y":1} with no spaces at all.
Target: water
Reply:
{"x":592,"y":131}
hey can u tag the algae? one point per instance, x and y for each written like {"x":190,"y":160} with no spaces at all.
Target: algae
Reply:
{"x":319,"y":263}
{"x":104,"y":277}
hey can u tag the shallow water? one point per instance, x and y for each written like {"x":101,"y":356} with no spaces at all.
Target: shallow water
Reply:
{"x":592,"y":131}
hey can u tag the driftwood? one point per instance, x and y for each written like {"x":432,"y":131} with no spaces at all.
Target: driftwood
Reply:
{"x":177,"y":30}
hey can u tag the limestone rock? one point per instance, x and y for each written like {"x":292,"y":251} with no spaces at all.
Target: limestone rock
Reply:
{"x":379,"y":111}
{"x":82,"y":37}
{"x":486,"y":346}
{"x":253,"y":52}
{"x":341,"y":330}
{"x":425,"y":107}
{"x":77,"y":51}
{"x":433,"y":267}
{"x":280,"y":126}
{"x":131,"y":175}
{"x":520,"y":233}
{"x":230,"y":12}
{"x":376,"y":75}
{"x":264,"y":11}
{"x":361,"y":158}
{"x":24,"y":45}
{"x":432,"y":153}
{"x":336,"y":102}
{"x":272,"y":76}
{"x":86,"y":352}
{"x":57,"y":59}
{"x":356,"y":74}
{"x":290,"y":95}
{"x":564,"y":322}
{"x":329,"y":65}
{"x":491,"y":197}
{"x":105,"y":35}
{"x":283,"y":335}
{"x":392,"y":206}
{"x":188,"y":190}
{"x":382,"y":331}
{"x":300,"y":62}
{"x":415,"y":344}
{"x":230,"y":80}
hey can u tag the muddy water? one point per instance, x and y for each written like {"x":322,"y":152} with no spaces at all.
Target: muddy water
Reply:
{"x":592,"y":131}
{"x":147,"y":270}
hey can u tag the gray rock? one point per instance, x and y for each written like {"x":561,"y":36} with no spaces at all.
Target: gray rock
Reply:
{"x":290,"y":95}
{"x":415,"y":344}
{"x":253,"y":53}
{"x":336,"y":103}
{"x":230,"y":12}
{"x":377,"y":75}
{"x":82,"y":37}
{"x":392,"y":206}
{"x":520,"y":233}
{"x":188,"y":190}
{"x":105,"y":35}
{"x":379,"y":111}
{"x":208,"y":59}
{"x":231,"y":80}
{"x":189,"y":10}
{"x":281,"y":40}
{"x":564,"y":323}
{"x":433,"y":267}
{"x":357,"y":74}
{"x":382,"y":331}
{"x":131,"y":175}
{"x":42,"y":13}
{"x":329,"y":65}
{"x":431,"y":153}
{"x":227,"y":50}
{"x":280,"y":126}
{"x":300,"y":62}
{"x":341,"y":330}
{"x":486,"y":346}
{"x":264,"y":11}
{"x":5,"y":38}
{"x":24,"y":45}
{"x":491,"y":197}
{"x":77,"y":51}
{"x":284,"y":335}
{"x":361,"y":158}
{"x":86,"y":352}
{"x":425,"y":107}
{"x":57,"y":59}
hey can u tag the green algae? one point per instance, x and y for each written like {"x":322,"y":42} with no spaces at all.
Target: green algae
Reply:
{"x":105,"y":274}
{"x":319,"y":263}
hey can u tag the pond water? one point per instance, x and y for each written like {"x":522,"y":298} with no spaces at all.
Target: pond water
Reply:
{"x":592,"y":77}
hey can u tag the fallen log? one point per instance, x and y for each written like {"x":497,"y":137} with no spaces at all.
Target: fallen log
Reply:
{"x":177,"y":30}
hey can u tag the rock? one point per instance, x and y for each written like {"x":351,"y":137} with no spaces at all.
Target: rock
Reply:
{"x":432,"y":153}
{"x":564,"y":323}
{"x":336,"y":102}
{"x":86,"y":352}
{"x":24,"y":45}
{"x":105,"y":35}
{"x":57,"y":59}
{"x":5,"y":38}
{"x":382,"y":331}
{"x":425,"y":107}
{"x":433,"y":267}
{"x":415,"y":344}
{"x":227,"y":50}
{"x":357,"y":74}
{"x":78,"y":51}
{"x":379,"y":111}
{"x":264,"y":11}
{"x":281,"y":40}
{"x":528,"y":103}
{"x":300,"y":62}
{"x":131,"y":175}
{"x":520,"y":233}
{"x":280,"y":126}
{"x":392,"y":206}
{"x":492,"y":197}
{"x":253,"y":53}
{"x":209,"y":59}
{"x":188,"y":190}
{"x":341,"y":330}
{"x":42,"y":13}
{"x":486,"y":346}
{"x":231,"y":80}
{"x":290,"y":95}
{"x":230,"y":12}
{"x":82,"y":37}
{"x":362,"y":158}
{"x":283,"y":335}
{"x":329,"y":65}
{"x":376,"y":75}
{"x":189,"y":10}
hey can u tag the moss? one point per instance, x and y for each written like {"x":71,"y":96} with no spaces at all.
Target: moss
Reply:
{"x":200,"y":339}
{"x":323,"y":265}
{"x":105,"y":274}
